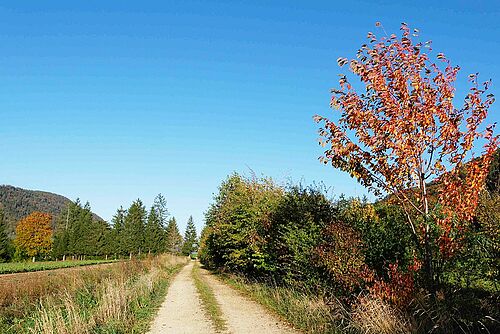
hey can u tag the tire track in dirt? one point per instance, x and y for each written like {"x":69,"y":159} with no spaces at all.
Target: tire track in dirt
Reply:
{"x":181,"y":312}
{"x":244,"y":316}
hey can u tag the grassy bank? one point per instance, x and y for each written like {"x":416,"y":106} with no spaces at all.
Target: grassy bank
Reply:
{"x":315,"y":315}
{"x":306,"y":312}
{"x":121,"y":298}
{"x":207,"y":296}
{"x":18,"y":267}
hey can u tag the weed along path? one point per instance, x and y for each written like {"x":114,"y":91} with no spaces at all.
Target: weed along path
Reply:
{"x":182,"y":312}
{"x":185,"y":308}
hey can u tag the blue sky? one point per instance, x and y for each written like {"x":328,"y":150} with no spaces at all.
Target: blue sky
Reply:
{"x":109,"y":101}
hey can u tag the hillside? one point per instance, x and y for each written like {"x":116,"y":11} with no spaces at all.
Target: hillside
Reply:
{"x":17,"y":203}
{"x":492,"y":181}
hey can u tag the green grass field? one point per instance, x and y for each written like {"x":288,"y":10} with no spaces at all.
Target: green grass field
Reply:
{"x":18,"y":267}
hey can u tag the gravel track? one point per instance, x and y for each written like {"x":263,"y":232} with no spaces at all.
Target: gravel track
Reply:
{"x":182,"y":311}
{"x":244,"y":315}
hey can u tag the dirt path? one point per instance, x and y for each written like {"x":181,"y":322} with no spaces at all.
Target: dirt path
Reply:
{"x":181,"y":312}
{"x":243,"y":315}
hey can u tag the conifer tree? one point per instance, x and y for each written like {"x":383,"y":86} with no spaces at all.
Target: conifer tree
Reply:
{"x":133,"y":230}
{"x":160,"y":205}
{"x":64,"y":235}
{"x":97,"y":238}
{"x":154,"y":233}
{"x":173,"y":239}
{"x":74,"y":226}
{"x":78,"y":233}
{"x":190,"y":238}
{"x":89,"y":232}
{"x":116,"y":236}
{"x":60,"y":245}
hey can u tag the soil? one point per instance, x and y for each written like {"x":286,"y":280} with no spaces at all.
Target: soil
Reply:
{"x":182,"y":311}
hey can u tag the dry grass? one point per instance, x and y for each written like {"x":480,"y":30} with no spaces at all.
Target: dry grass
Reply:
{"x":113,"y":303}
{"x":63,"y":319}
{"x":70,"y":302}
{"x":373,"y":316}
{"x":14,"y":288}
{"x":313,"y":314}
{"x":304,"y":311}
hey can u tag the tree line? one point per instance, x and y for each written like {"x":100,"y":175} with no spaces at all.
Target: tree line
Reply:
{"x":76,"y":233}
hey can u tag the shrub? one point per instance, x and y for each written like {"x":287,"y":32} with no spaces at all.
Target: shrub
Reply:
{"x":341,"y":258}
{"x":233,"y":239}
{"x":384,"y":239}
{"x":293,"y":235}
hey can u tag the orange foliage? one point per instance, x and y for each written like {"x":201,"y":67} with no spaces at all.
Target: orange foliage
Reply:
{"x":408,"y":133}
{"x":34,"y":234}
{"x":342,"y":258}
{"x":398,"y":290}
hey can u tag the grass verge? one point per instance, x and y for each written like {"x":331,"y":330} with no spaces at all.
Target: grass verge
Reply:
{"x":208,"y":300}
{"x":18,"y":267}
{"x":306,"y":312}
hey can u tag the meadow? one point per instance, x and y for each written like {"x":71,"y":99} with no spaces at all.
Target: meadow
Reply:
{"x":19,"y":267}
{"x":120,"y":297}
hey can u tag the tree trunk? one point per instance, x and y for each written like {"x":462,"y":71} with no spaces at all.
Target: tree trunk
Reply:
{"x":33,"y":260}
{"x":428,"y":258}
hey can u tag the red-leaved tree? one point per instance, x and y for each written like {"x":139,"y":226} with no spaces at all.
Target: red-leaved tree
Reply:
{"x":404,"y":131}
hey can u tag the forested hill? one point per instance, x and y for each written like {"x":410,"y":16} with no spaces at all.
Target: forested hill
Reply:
{"x":17,"y":203}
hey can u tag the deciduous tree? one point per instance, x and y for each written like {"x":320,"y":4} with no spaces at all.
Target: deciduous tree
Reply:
{"x":34,"y":235}
{"x":405,"y":131}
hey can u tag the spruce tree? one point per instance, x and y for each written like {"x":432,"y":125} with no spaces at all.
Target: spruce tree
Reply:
{"x":154,"y":233}
{"x":67,"y":231}
{"x":133,"y":230}
{"x":97,"y":238}
{"x":160,"y":205}
{"x":90,"y":232}
{"x":173,"y":239}
{"x":116,"y":236}
{"x":74,"y":228}
{"x":61,"y":238}
{"x":190,"y":238}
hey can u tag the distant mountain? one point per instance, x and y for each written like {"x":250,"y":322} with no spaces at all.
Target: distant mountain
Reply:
{"x":17,"y":203}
